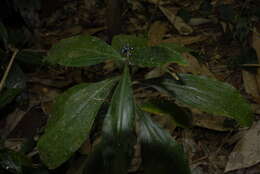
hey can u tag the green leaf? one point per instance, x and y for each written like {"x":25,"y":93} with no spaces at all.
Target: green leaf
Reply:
{"x":13,"y":161}
{"x":81,"y":51}
{"x":71,"y":121}
{"x":3,"y":34}
{"x":168,"y":108}
{"x":123,"y":42}
{"x":97,"y":163}
{"x":211,"y":96}
{"x":8,"y":95}
{"x":156,"y":56}
{"x":160,"y":152}
{"x":120,"y":117}
{"x":119,"y":125}
{"x":176,"y":49}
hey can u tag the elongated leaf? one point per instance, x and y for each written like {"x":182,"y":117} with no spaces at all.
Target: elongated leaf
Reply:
{"x":168,"y":108}
{"x":118,"y":127}
{"x":8,"y":95}
{"x":128,"y":43}
{"x":160,"y":153}
{"x":71,"y":121}
{"x":3,"y":34}
{"x":107,"y":158}
{"x":156,"y":56}
{"x":81,"y":51}
{"x":211,"y":96}
{"x":97,"y":161}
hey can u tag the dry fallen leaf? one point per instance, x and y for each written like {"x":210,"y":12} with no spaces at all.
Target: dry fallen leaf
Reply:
{"x":199,"y":21}
{"x":250,"y":83}
{"x":156,"y":32}
{"x":156,"y":72}
{"x":256,"y":46}
{"x":256,"y":108}
{"x":212,"y":122}
{"x":185,"y":40}
{"x":77,"y":29}
{"x":195,"y":67}
{"x":177,"y":21}
{"x":247,"y":151}
{"x":91,"y":31}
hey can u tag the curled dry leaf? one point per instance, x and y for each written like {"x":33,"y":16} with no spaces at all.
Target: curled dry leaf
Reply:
{"x":250,"y":83}
{"x":199,"y":21}
{"x":185,"y":40}
{"x":211,"y":122}
{"x":195,"y":67}
{"x":256,"y":46}
{"x":156,"y":32}
{"x":177,"y":21}
{"x":92,"y":31}
{"x":247,"y":151}
{"x":256,"y":108}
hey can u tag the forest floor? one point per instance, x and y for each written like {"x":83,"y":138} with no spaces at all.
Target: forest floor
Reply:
{"x":225,"y":37}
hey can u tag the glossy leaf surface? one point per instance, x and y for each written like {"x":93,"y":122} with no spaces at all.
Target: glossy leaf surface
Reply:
{"x":168,"y":108}
{"x":71,"y":121}
{"x":81,"y":51}
{"x":118,"y":126}
{"x":211,"y":96}
{"x":156,"y":56}
{"x":107,"y":159}
{"x":160,"y":152}
{"x":123,"y":43}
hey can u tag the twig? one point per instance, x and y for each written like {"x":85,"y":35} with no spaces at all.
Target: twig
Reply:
{"x":8,"y":69}
{"x":251,"y":65}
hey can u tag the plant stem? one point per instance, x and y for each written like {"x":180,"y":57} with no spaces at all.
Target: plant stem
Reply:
{"x":8,"y":69}
{"x":114,"y":13}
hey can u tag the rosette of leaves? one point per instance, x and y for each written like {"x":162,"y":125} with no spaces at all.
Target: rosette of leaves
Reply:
{"x":75,"y":110}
